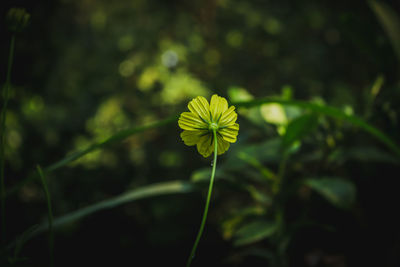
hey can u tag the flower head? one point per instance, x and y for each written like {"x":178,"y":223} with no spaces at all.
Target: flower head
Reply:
{"x":203,"y":119}
{"x":17,"y":19}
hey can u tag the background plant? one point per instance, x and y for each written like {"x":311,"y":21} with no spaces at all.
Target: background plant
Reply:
{"x":311,"y":179}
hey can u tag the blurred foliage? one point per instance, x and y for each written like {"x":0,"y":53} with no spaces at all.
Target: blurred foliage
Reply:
{"x":96,"y":86}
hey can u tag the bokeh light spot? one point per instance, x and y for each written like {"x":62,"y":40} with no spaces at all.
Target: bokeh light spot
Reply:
{"x":272,"y":26}
{"x":212,"y":57}
{"x":182,"y":86}
{"x":196,"y":43}
{"x":170,"y":159}
{"x":273,"y":113}
{"x":98,"y":20}
{"x":125,"y":42}
{"x":14,"y":139}
{"x":234,"y":39}
{"x":169,"y":58}
{"x":126,"y":68}
{"x":148,"y":78}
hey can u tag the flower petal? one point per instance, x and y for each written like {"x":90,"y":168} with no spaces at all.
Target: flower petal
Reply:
{"x":191,"y":138}
{"x":229,"y":133}
{"x":218,"y":105}
{"x":205,"y":145}
{"x":191,"y":122}
{"x":228,"y":117}
{"x":223,"y":145}
{"x":200,"y":107}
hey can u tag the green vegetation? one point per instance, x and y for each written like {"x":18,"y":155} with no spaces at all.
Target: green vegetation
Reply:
{"x":92,"y":92}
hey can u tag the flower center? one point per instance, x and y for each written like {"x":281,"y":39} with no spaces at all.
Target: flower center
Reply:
{"x":213,"y":126}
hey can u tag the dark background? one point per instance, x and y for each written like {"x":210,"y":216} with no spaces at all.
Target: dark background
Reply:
{"x":83,"y":70}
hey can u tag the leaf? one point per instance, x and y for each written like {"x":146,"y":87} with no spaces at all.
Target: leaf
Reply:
{"x":329,"y":111}
{"x":363,"y":154}
{"x":254,"y":232}
{"x":274,"y":113}
{"x":337,"y":191}
{"x":111,"y":140}
{"x":259,"y":196}
{"x":390,"y":22}
{"x":204,"y":175}
{"x":298,"y":128}
{"x":239,"y":94}
{"x":20,"y":241}
{"x":254,"y":162}
{"x":267,"y":151}
{"x":165,"y":188}
{"x":231,"y":223}
{"x":49,"y":214}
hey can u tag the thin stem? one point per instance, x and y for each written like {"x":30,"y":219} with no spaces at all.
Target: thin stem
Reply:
{"x":6,"y":93}
{"x":279,"y":191}
{"x":203,"y":221}
{"x":281,"y":173}
{"x":49,"y":214}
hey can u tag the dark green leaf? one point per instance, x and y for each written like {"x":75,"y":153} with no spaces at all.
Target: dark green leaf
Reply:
{"x":204,"y":174}
{"x":95,"y":146}
{"x":267,"y":151}
{"x":390,"y":22}
{"x":111,"y":140}
{"x":364,"y":154}
{"x":329,"y":111}
{"x":339,"y":192}
{"x":299,"y":128}
{"x":171,"y":187}
{"x":254,"y":231}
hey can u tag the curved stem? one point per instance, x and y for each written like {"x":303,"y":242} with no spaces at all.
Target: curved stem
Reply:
{"x":6,"y":93}
{"x":49,"y":214}
{"x":203,"y":221}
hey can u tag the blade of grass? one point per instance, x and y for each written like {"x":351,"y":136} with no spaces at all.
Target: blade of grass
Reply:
{"x":390,"y":22}
{"x":322,"y":109}
{"x":3,"y":117}
{"x":120,"y":136}
{"x":163,"y":188}
{"x":111,"y":140}
{"x":49,"y":214}
{"x":329,"y":111}
{"x":19,"y":244}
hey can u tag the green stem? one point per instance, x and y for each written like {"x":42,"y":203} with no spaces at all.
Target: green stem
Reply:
{"x":49,"y":214}
{"x":6,"y":93}
{"x":281,"y":172}
{"x":279,"y":198}
{"x":203,"y":221}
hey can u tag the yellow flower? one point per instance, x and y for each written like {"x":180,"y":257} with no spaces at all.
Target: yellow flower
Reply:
{"x":203,"y":119}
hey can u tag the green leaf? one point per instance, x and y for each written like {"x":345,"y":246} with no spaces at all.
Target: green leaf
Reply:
{"x":274,"y":113}
{"x":204,"y":175}
{"x":390,"y":22}
{"x":258,"y":195}
{"x":231,"y":223}
{"x":118,"y":137}
{"x":20,"y":241}
{"x":267,"y":151}
{"x":299,"y":128}
{"x":337,"y":191}
{"x":111,"y":140}
{"x":239,"y":94}
{"x":254,"y":232}
{"x":267,"y":173}
{"x":49,"y":214}
{"x":328,"y":111}
{"x":363,"y":154}
{"x":165,"y":188}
